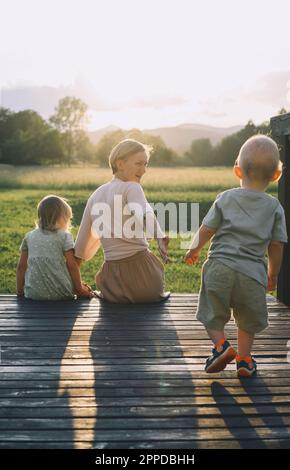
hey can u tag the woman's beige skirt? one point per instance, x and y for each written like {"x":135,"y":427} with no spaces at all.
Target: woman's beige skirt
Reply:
{"x":138,"y":278}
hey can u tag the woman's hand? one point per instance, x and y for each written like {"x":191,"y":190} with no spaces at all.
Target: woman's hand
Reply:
{"x":163,"y":248}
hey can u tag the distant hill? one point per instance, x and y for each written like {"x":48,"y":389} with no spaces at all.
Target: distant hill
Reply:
{"x":95,"y":136}
{"x":179,"y":138}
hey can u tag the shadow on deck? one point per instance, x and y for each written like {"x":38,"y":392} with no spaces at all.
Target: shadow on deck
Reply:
{"x":87,"y":374}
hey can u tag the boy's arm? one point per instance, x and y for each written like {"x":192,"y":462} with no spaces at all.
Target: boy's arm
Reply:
{"x":74,"y":270}
{"x":275,"y":256}
{"x":20,"y":272}
{"x":203,"y":235}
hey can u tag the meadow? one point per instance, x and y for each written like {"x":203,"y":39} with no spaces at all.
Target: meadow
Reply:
{"x":21,"y":188}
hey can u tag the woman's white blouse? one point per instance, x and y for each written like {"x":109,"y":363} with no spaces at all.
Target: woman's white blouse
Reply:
{"x":107,"y":221}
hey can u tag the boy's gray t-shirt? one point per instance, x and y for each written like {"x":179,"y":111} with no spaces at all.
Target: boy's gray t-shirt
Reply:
{"x":246,"y":221}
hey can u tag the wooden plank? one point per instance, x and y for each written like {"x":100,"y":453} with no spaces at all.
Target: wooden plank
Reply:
{"x":176,"y":344}
{"x":143,"y":423}
{"x":281,"y":373}
{"x":122,"y":364}
{"x":151,"y":336}
{"x":151,"y":435}
{"x":127,"y":367}
{"x":107,"y":324}
{"x":191,"y":444}
{"x":97,"y":392}
{"x":171,"y":401}
{"x":199,"y":347}
{"x":98,"y":310}
{"x":12,"y":357}
{"x":222,"y":410}
{"x":160,"y":384}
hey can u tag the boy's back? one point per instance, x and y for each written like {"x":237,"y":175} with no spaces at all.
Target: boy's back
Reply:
{"x":246,"y":221}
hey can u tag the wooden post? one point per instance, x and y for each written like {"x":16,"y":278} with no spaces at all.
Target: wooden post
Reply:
{"x":280,"y":126}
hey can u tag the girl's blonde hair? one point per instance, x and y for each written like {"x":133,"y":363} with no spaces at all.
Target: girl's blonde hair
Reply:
{"x":125,"y":149}
{"x":50,"y":209}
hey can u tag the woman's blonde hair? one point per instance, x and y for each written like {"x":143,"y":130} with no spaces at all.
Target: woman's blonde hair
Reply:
{"x":125,"y":149}
{"x":50,"y":209}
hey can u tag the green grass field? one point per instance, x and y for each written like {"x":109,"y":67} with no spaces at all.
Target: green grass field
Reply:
{"x":22,"y":188}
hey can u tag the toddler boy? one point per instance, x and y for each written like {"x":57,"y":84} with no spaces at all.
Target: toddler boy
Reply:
{"x":243,"y":223}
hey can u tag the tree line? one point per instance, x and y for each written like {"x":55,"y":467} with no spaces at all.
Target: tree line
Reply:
{"x":224,"y":153}
{"x":27,"y":139}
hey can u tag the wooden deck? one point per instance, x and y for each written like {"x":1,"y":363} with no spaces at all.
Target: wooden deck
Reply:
{"x":92,"y":375}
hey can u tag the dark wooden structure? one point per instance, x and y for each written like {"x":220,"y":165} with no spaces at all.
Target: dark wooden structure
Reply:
{"x":280,"y":126}
{"x":86,"y":374}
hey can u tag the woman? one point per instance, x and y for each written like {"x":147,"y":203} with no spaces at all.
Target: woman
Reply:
{"x":114,"y":218}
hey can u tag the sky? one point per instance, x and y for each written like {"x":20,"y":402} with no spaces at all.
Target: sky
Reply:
{"x":147,"y":63}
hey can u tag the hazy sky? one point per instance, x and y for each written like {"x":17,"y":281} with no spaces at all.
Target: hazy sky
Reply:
{"x":148,"y":63}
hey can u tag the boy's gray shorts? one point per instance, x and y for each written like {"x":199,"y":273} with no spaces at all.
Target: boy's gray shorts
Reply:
{"x":223,"y":288}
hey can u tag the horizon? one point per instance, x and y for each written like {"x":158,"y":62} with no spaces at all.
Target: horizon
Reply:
{"x":183,"y":124}
{"x":211,"y":64}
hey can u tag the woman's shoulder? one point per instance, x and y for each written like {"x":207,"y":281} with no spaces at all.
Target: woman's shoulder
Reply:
{"x":134,"y":187}
{"x":100,"y":190}
{"x":119,"y":182}
{"x":134,"y":184}
{"x":115,"y":186}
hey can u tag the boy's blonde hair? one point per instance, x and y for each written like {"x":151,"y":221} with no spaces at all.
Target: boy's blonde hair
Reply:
{"x":50,"y":209}
{"x":125,"y":149}
{"x":259,"y":158}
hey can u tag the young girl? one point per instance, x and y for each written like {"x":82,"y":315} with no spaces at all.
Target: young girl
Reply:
{"x":47,"y":269}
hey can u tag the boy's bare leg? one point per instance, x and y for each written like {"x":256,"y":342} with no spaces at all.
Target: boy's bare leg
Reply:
{"x":245,"y":343}
{"x":216,"y":336}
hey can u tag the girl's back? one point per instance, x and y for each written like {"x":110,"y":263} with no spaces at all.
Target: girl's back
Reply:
{"x":47,"y":276}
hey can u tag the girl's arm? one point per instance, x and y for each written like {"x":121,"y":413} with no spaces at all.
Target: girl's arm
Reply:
{"x":20,"y":272}
{"x":203,"y":235}
{"x":81,"y":289}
